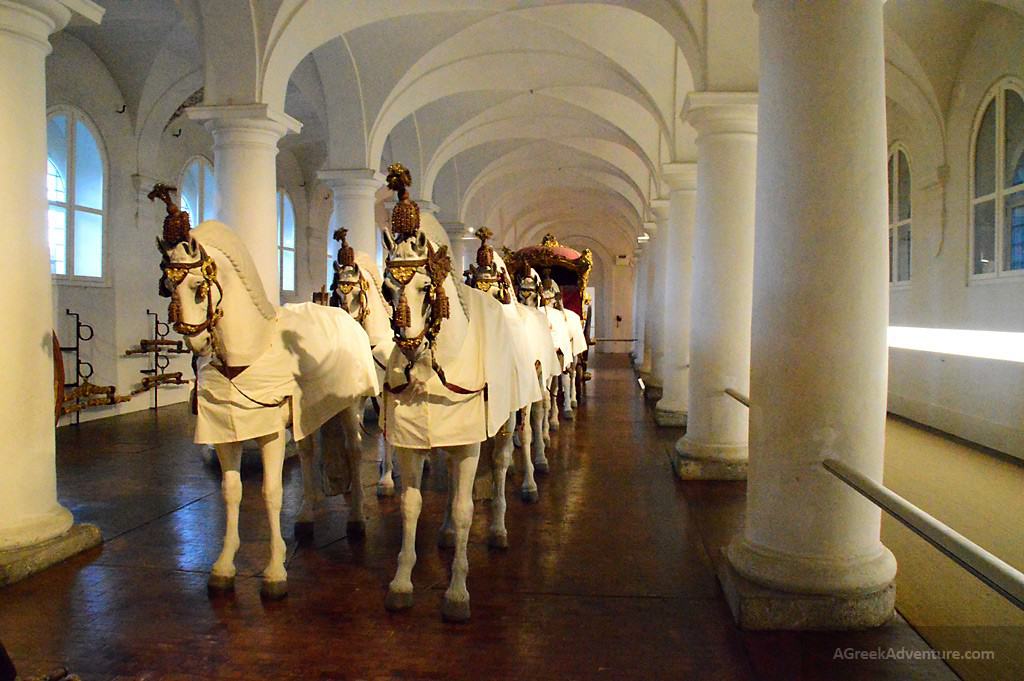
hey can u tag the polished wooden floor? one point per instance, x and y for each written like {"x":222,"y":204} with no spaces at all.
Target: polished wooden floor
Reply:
{"x":608,"y":577}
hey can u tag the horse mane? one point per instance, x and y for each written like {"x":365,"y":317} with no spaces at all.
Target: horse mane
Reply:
{"x":217,"y":235}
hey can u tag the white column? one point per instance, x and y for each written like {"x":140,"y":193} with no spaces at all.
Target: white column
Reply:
{"x":29,"y":510}
{"x":456,"y":232}
{"x":245,"y":141}
{"x":639,"y":279}
{"x":682,"y":181}
{"x":355,"y":193}
{"x":656,"y":300}
{"x":818,"y":371}
{"x":715,"y":445}
{"x":650,"y":265}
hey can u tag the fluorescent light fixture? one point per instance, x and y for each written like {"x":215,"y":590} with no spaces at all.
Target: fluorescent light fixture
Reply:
{"x":643,"y":238}
{"x":1001,"y":345}
{"x":641,"y":382}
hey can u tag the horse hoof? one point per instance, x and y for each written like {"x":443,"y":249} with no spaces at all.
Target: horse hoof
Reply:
{"x":304,"y":531}
{"x":529,"y":496}
{"x":397,"y":601}
{"x":455,"y":611}
{"x":574,"y":404}
{"x":355,"y":529}
{"x":218,"y":585}
{"x":498,"y":541}
{"x":547,"y":439}
{"x":554,"y":427}
{"x":274,"y":591}
{"x":568,"y":415}
{"x":383,"y":491}
{"x":541,"y":467}
{"x":446,"y":540}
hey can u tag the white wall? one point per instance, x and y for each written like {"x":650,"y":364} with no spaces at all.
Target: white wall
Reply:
{"x":979,"y":400}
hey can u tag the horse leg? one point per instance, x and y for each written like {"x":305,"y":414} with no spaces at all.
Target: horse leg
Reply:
{"x":573,"y":399}
{"x":350,"y":418}
{"x":538,"y":452}
{"x":553,"y":406}
{"x":446,"y":537}
{"x":531,"y":431}
{"x":566,"y":380}
{"x":517,"y":434}
{"x":386,"y":485}
{"x":275,"y":577}
{"x":456,"y":598}
{"x":546,"y":413}
{"x":222,"y":575}
{"x":312,"y":492}
{"x":501,"y":457}
{"x":410,"y":465}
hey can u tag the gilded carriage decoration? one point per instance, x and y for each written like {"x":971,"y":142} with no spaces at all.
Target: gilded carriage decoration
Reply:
{"x":569,"y":268}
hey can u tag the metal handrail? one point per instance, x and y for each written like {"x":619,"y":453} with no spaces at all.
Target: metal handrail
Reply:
{"x":738,"y":396}
{"x":998,"y":575}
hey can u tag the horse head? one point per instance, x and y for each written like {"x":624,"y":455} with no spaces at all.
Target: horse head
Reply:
{"x":349,"y":288}
{"x":550,"y":293}
{"x":528,"y":288}
{"x":217,"y":299}
{"x":489,"y":273}
{"x":415,"y":275}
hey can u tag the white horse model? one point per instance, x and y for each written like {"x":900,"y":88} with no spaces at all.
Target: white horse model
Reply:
{"x":261,"y":369}
{"x":446,"y":385}
{"x":356,"y":288}
{"x":561,"y":336}
{"x":535,"y":353}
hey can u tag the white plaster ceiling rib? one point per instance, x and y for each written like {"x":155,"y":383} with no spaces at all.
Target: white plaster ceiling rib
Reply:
{"x":538,"y":115}
{"x":300,"y":26}
{"x":517,"y":195}
{"x":544,"y":157}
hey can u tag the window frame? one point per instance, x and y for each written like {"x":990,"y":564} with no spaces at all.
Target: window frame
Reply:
{"x":995,"y":95}
{"x":893,"y":208}
{"x":200,"y":209}
{"x":283,"y":193}
{"x":69,"y":278}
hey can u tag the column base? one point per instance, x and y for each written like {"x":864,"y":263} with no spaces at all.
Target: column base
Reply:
{"x":759,"y":608}
{"x":697,"y":461}
{"x":667,"y":418}
{"x":17,"y":564}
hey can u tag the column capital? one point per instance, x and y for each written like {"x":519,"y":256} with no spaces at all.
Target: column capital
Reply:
{"x":651,"y":228}
{"x":680,"y":176}
{"x":428,"y":206}
{"x":255,"y":118}
{"x":351,"y":181}
{"x":455,"y":229}
{"x":659,"y":207}
{"x":713,"y":113}
{"x":35,"y":20}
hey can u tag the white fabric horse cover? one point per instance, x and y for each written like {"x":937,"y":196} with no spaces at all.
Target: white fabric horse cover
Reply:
{"x":317,"y":366}
{"x":577,"y":340}
{"x":427,"y":414}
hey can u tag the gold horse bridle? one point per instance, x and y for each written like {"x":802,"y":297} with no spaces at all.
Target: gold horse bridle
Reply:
{"x":346,"y":288}
{"x":175,"y":273}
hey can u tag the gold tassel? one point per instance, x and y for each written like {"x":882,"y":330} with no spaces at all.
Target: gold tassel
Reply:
{"x":403,"y":315}
{"x":442,"y":310}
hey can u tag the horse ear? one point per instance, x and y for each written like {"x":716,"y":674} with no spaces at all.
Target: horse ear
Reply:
{"x":421,"y":241}
{"x":389,"y":241}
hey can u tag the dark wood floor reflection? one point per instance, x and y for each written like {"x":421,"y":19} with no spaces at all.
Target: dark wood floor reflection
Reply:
{"x":606,"y":578}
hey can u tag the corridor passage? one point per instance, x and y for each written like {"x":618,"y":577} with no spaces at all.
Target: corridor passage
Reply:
{"x":606,"y":578}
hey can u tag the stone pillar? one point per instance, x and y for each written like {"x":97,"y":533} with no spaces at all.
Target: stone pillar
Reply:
{"x":650,"y":264}
{"x":639,"y":279}
{"x":656,"y":301}
{"x":35,"y":529}
{"x":678,"y":246}
{"x":245,"y":141}
{"x":818,"y":371}
{"x":715,"y":445}
{"x":461,"y":255}
{"x":354,"y":205}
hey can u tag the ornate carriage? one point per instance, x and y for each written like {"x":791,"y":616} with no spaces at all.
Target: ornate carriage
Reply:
{"x":569,"y":268}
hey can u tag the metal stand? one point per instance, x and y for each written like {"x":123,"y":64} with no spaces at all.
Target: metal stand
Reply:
{"x":159,"y":349}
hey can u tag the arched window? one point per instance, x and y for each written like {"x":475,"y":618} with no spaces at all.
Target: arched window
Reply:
{"x":899,"y":215}
{"x":198,"y":190}
{"x":997,"y":184}
{"x":285,"y":241}
{"x":75,"y":183}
